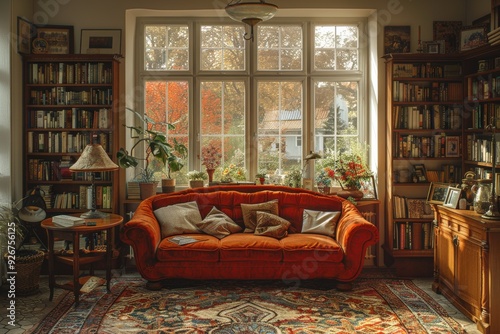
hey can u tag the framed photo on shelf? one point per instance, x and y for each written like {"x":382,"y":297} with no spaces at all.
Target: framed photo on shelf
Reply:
{"x":24,"y":35}
{"x":420,"y":172}
{"x":472,"y":37}
{"x":452,"y":197}
{"x":433,"y":47}
{"x":449,"y":32}
{"x":452,"y":146}
{"x":101,"y":41}
{"x":437,"y":192}
{"x":368,"y":188}
{"x":53,"y":39}
{"x":397,"y":39}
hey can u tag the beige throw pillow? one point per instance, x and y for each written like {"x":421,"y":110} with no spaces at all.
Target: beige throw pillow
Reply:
{"x":320,"y":222}
{"x":249,"y":212}
{"x":218,"y":224}
{"x":178,"y":219}
{"x":271,"y":225}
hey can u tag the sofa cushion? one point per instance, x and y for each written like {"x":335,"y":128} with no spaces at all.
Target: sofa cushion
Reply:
{"x":178,"y":219}
{"x":320,"y":222}
{"x":311,"y":248}
{"x":250,"y":247}
{"x":218,"y":224}
{"x":249,"y":212}
{"x":271,"y":225}
{"x":206,"y":250}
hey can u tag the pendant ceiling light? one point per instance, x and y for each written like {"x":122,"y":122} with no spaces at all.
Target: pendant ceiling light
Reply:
{"x":250,"y":13}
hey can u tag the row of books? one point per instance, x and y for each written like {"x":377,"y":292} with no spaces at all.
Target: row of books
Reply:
{"x":404,"y":207}
{"x":427,"y":117}
{"x":74,"y":118}
{"x":483,"y":88}
{"x":413,"y":236}
{"x":426,"y":70}
{"x":65,"y":141}
{"x":485,"y":114}
{"x":494,"y":35}
{"x":61,"y":96}
{"x":51,"y":170}
{"x":435,"y":146}
{"x":83,"y":198}
{"x":133,"y":191}
{"x":436,"y":91}
{"x":70,"y":73}
{"x":479,"y":148}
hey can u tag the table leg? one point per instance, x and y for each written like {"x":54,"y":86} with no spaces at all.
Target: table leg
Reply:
{"x":76,"y":266}
{"x":52,"y":280}
{"x":109,"y":257}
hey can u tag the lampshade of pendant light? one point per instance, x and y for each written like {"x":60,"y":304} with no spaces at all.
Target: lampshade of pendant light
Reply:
{"x":250,"y":13}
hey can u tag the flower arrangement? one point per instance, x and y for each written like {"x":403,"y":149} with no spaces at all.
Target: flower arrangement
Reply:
{"x":211,"y":157}
{"x":293,"y":178}
{"x":196,"y":175}
{"x":233,"y":172}
{"x":323,"y":179}
{"x":348,"y":168}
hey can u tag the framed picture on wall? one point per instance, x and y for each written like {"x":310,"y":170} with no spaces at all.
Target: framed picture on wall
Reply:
{"x":449,"y":32}
{"x":24,"y":35}
{"x":472,"y":37}
{"x":102,"y":41}
{"x":397,"y":39}
{"x":53,"y":39}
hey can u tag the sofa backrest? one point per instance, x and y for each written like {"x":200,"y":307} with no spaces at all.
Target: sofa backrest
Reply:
{"x":291,"y":203}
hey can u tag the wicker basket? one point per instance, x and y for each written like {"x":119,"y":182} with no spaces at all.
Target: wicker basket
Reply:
{"x":28,"y":266}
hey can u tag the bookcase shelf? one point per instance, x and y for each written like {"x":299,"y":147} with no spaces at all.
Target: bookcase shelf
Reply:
{"x":69,"y":101}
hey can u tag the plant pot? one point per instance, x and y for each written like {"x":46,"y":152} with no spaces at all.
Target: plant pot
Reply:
{"x":196,"y":183}
{"x":28,"y":265}
{"x":167,"y":185}
{"x":210,"y":173}
{"x":147,"y":189}
{"x":262,"y":180}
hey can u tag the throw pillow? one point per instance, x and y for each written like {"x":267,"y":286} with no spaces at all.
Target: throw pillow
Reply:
{"x":320,"y":222}
{"x":271,"y":225}
{"x":218,"y":224}
{"x":249,"y":212}
{"x":178,"y":218}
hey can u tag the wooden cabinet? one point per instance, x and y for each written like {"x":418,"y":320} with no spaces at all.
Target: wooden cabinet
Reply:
{"x":424,"y":133}
{"x":69,"y":101}
{"x":466,"y":265}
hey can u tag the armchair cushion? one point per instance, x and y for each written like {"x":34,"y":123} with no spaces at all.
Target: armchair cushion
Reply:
{"x":179,"y":218}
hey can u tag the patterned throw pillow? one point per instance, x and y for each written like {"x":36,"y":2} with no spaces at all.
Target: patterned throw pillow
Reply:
{"x":218,"y":224}
{"x":320,"y":222}
{"x":271,"y":225}
{"x":178,"y":219}
{"x":249,"y":213}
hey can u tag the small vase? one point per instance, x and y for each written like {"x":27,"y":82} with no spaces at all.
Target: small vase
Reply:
{"x":210,"y":173}
{"x":482,"y":197}
{"x":351,"y":192}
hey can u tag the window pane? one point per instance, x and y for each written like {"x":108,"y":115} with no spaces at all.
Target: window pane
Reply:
{"x":336,"y":115}
{"x":335,"y":48}
{"x":279,"y":48}
{"x":223,"y":120}
{"x":280,"y":112}
{"x":222,"y":48}
{"x":168,"y":102}
{"x":166,"y":47}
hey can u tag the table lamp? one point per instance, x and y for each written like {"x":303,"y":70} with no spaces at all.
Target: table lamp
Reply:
{"x":93,"y":159}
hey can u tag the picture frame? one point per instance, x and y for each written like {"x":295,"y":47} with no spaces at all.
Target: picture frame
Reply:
{"x":397,"y":39}
{"x":420,"y":172}
{"x":452,"y":146}
{"x":100,"y":41}
{"x":368,"y":188}
{"x":24,"y":35}
{"x":54,"y":39}
{"x":452,"y":197}
{"x":472,"y":37}
{"x":433,"y":48}
{"x":437,"y":192}
{"x":449,"y":32}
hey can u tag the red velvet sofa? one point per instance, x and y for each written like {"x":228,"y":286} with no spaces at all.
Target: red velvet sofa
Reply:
{"x":295,"y":257}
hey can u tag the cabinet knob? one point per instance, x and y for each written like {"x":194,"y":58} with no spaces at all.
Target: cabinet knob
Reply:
{"x":455,"y":240}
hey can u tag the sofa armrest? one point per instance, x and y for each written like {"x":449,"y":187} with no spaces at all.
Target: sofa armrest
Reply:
{"x":354,"y":234}
{"x":143,"y":233}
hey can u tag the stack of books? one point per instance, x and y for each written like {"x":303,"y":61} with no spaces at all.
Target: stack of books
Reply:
{"x":67,"y":221}
{"x":494,"y":36}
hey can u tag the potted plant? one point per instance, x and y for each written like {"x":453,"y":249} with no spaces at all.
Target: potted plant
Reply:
{"x":293,"y":178}
{"x":261,"y":176}
{"x":196,"y":178}
{"x":156,"y":147}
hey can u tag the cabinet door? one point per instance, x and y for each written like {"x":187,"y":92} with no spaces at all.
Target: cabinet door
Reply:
{"x":446,"y":257}
{"x":468,"y":271}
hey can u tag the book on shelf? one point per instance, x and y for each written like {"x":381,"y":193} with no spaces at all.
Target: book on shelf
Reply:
{"x":67,"y":221}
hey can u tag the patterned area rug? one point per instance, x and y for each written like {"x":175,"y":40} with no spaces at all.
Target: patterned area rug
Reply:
{"x":375,"y":305}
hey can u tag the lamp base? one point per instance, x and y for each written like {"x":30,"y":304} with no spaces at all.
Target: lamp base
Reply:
{"x":94,"y":214}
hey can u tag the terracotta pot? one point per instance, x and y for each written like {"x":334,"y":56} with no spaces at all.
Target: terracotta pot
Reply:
{"x":354,"y":193}
{"x":167,"y":185}
{"x":262,"y":180}
{"x":147,"y":189}
{"x":196,"y":183}
{"x":210,"y":173}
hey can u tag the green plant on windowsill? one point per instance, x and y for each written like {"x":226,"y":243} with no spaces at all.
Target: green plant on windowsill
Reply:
{"x":156,"y":146}
{"x":195,"y":175}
